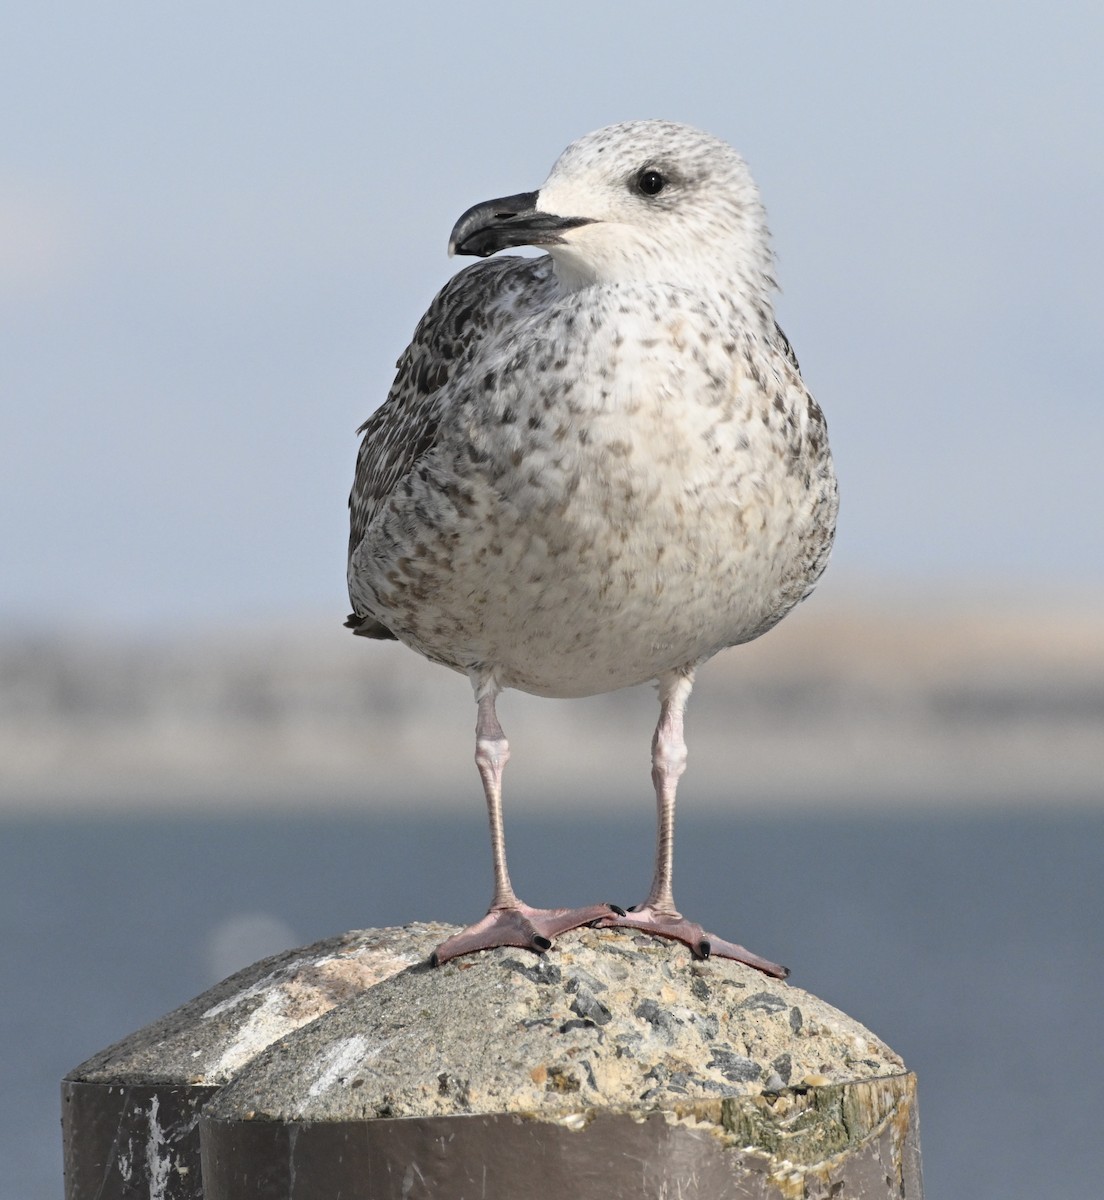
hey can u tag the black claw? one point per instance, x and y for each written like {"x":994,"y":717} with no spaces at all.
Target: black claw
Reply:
{"x":541,"y":943}
{"x":618,"y":909}
{"x":434,"y":961}
{"x":704,"y":948}
{"x":785,"y":972}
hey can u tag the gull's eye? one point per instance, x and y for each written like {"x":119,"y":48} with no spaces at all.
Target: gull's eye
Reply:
{"x":649,"y":182}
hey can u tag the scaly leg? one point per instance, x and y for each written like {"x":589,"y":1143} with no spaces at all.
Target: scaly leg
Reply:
{"x":508,"y":922}
{"x":658,"y":914}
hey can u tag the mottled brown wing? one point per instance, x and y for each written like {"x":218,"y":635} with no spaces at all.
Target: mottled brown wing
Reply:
{"x":822,"y":480}
{"x":471,"y":306}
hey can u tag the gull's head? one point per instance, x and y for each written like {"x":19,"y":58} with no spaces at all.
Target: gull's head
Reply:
{"x":648,"y":201}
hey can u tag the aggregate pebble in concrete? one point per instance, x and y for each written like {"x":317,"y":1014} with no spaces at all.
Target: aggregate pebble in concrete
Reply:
{"x":607,"y":1019}
{"x":209,"y":1039}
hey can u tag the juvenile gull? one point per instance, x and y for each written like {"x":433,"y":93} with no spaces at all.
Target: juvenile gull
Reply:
{"x":596,"y":468}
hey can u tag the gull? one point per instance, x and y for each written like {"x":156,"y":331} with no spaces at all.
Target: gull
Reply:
{"x":596,"y":468}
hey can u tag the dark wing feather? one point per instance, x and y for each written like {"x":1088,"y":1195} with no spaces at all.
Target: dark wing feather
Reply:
{"x":787,"y":349}
{"x":473,"y":304}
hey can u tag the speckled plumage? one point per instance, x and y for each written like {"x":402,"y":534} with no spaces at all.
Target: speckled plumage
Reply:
{"x":601,"y":466}
{"x":580,"y":489}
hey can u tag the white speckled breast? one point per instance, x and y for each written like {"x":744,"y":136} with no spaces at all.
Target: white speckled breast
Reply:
{"x":627,"y":483}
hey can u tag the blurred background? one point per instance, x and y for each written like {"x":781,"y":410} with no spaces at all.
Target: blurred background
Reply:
{"x":218,"y":227}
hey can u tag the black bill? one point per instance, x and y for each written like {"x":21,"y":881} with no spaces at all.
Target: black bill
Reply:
{"x":511,"y":221}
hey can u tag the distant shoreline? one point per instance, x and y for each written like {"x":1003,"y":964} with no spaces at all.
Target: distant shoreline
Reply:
{"x":851,"y":706}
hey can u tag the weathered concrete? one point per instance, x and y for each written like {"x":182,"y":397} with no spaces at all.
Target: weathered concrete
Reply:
{"x":619,"y":1063}
{"x":130,"y":1113}
{"x":609,"y":1017}
{"x":614,"y":1067}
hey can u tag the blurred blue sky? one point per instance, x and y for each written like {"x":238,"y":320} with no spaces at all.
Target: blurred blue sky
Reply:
{"x":219,"y":224}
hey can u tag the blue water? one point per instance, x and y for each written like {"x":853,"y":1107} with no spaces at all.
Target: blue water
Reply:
{"x":973,"y":946}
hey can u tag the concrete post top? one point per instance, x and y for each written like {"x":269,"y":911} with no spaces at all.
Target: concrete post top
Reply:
{"x":205,"y":1042}
{"x":611,"y":1068}
{"x":609,"y":1020}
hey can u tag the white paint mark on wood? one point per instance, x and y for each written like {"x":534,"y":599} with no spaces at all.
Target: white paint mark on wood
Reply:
{"x":158,"y":1159}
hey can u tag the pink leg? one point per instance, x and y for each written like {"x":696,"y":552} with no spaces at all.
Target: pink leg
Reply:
{"x":508,"y":922}
{"x":658,"y":914}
